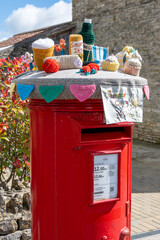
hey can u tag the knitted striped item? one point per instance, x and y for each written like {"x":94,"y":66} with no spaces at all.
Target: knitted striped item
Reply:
{"x":126,"y":54}
{"x":88,"y":38}
{"x":122,"y":58}
{"x":99,"y":54}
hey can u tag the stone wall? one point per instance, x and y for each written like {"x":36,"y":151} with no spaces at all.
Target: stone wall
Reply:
{"x":15,"y":216}
{"x":120,"y":23}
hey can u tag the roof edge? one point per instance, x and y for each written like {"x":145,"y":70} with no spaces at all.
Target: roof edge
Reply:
{"x":45,"y":28}
{"x":31,"y":34}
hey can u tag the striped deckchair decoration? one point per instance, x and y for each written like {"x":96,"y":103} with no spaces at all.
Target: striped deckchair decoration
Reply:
{"x":122,"y":58}
{"x":99,"y":54}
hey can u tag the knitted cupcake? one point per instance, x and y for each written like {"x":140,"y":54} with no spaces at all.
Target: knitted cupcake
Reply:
{"x":110,"y":64}
{"x":132,"y":67}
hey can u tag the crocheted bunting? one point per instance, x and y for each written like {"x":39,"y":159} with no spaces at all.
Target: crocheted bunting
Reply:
{"x":146,"y":91}
{"x":82,"y":92}
{"x":49,"y":93}
{"x":12,"y":89}
{"x":24,"y":90}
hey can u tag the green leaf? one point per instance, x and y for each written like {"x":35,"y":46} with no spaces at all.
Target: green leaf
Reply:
{"x":19,"y":174}
{"x":5,"y":138}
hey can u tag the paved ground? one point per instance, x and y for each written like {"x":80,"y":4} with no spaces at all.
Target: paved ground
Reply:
{"x":146,"y":189}
{"x":155,"y":235}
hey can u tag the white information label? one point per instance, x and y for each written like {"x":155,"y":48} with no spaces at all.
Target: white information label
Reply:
{"x":77,"y":47}
{"x":105,"y":177}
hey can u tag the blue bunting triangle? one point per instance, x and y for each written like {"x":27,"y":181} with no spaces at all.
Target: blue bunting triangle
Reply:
{"x":24,"y":90}
{"x":49,"y":93}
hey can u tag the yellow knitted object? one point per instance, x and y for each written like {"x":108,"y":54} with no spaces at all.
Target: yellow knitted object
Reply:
{"x":40,"y":54}
{"x":120,"y":56}
{"x":127,"y":49}
{"x":76,"y":45}
{"x":110,"y":66}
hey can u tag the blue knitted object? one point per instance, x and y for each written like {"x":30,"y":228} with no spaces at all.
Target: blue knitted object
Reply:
{"x":24,"y":90}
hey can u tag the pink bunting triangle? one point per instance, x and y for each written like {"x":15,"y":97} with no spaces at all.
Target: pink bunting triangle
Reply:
{"x":146,"y":91}
{"x":82,"y":92}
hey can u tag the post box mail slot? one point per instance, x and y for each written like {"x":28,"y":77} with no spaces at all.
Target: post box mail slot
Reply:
{"x":105,"y":133}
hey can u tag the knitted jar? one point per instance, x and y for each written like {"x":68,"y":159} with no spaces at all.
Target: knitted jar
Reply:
{"x":76,"y":45}
{"x":88,"y":40}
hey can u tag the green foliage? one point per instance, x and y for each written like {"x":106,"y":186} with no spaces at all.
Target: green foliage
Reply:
{"x":14,"y":124}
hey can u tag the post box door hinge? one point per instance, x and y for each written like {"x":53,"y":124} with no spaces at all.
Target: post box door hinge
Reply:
{"x":127,"y":208}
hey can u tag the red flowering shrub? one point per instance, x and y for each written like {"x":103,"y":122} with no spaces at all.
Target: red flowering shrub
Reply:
{"x":14,"y":125}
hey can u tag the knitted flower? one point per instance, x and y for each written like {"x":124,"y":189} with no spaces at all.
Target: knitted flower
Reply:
{"x":61,"y":46}
{"x":62,"y":43}
{"x":29,"y":57}
{"x":57,"y":48}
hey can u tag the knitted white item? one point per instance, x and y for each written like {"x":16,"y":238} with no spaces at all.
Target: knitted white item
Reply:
{"x":43,"y":43}
{"x":111,"y":59}
{"x":67,"y":61}
{"x":29,"y":57}
{"x":137,"y":55}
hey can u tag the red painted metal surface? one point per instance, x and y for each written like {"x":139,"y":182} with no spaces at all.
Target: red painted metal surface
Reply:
{"x":124,"y":233}
{"x":65,"y":135}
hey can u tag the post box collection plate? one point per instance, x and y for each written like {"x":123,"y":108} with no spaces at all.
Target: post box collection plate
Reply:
{"x":105,"y":177}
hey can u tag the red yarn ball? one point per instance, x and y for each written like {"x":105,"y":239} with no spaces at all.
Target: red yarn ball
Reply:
{"x":50,"y":66}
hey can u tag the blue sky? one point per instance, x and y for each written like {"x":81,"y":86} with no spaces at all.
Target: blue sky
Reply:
{"x":23,"y":15}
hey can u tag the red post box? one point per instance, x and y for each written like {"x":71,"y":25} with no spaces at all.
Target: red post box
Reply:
{"x":80,"y":171}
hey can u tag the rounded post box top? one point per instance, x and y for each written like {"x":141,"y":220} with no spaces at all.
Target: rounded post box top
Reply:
{"x":69,"y":77}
